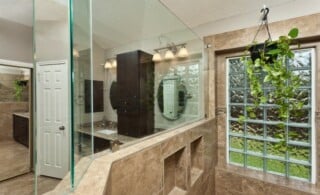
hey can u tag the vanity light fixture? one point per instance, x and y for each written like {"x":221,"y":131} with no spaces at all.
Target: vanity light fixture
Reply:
{"x":110,"y":63}
{"x":183,"y":52}
{"x":171,"y":51}
{"x":107,"y":65}
{"x":156,"y":57}
{"x":75,"y":53}
{"x":169,"y":55}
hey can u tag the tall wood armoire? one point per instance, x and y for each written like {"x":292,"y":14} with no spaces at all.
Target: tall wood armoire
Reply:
{"x":135,"y":87}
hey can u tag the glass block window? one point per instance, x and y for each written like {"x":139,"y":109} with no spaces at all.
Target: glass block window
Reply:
{"x":253,"y":143}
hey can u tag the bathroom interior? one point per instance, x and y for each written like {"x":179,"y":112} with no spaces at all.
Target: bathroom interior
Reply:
{"x":139,"y":91}
{"x":15,"y":116}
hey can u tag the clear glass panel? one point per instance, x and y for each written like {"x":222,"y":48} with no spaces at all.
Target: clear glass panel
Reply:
{"x":82,"y":90}
{"x":53,"y":99}
{"x":121,"y":92}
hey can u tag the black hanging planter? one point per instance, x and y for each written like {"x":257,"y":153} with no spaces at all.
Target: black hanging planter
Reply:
{"x":258,"y":49}
{"x":22,"y":83}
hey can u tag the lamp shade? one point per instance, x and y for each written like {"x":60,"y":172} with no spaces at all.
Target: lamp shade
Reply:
{"x":169,"y":55}
{"x":183,"y":52}
{"x":107,"y":65}
{"x":156,"y":57}
{"x":114,"y":63}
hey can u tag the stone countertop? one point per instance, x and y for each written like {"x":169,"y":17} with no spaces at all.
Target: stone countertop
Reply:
{"x":111,"y":137}
{"x":23,"y":114}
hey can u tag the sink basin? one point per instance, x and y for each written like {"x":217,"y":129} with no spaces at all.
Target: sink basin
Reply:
{"x":107,"y":131}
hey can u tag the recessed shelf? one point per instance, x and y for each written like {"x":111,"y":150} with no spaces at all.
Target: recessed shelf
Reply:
{"x":196,"y":155}
{"x":175,"y":173}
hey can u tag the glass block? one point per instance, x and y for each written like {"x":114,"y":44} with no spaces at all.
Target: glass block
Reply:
{"x":235,"y":157}
{"x":305,"y":76}
{"x":194,"y":69}
{"x":254,"y":129}
{"x":255,"y":146}
{"x":250,"y":98}
{"x":299,"y":116}
{"x":181,"y":70}
{"x":299,"y":153}
{"x":276,"y":166}
{"x":300,"y":134}
{"x":301,"y":171}
{"x":236,"y":66}
{"x":236,"y":142}
{"x":237,"y":81}
{"x":236,"y":96}
{"x":273,"y":114}
{"x":236,"y":111}
{"x":302,"y":59}
{"x":254,"y":161}
{"x":236,"y":127}
{"x":303,"y":96}
{"x":255,"y":113}
{"x":193,"y":81}
{"x":275,"y":131}
{"x":275,"y":149}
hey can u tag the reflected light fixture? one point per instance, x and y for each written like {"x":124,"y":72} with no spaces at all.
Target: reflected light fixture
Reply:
{"x":169,"y":55}
{"x":171,"y":51}
{"x":156,"y":57}
{"x":110,"y":63}
{"x":114,"y":63}
{"x":183,"y":52}
{"x":75,"y":53}
{"x":107,"y":64}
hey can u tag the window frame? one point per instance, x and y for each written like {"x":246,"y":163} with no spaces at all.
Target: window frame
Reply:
{"x":313,"y":156}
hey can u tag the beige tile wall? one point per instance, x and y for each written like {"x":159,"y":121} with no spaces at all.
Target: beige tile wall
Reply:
{"x":139,"y":169}
{"x":6,"y":118}
{"x":230,"y":179}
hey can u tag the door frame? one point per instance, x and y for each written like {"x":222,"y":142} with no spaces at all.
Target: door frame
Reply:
{"x":37,"y":129}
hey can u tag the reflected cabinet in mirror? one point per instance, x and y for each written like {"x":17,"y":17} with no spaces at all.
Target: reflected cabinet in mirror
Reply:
{"x":172,"y":97}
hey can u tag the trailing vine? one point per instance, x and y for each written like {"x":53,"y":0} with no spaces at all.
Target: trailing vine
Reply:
{"x":270,"y":69}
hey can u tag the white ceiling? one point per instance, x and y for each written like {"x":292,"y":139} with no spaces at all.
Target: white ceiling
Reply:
{"x":19,"y":11}
{"x":146,"y":18}
{"x":208,"y":17}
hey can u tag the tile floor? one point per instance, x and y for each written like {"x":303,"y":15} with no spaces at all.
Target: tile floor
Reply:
{"x":15,"y":159}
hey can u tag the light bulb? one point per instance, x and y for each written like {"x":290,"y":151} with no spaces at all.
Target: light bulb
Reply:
{"x":156,"y":57}
{"x":183,"y":52}
{"x":169,"y":55}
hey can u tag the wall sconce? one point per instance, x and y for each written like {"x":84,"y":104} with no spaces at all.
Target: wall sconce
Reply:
{"x":110,"y":63}
{"x":75,"y":53}
{"x":171,"y":51}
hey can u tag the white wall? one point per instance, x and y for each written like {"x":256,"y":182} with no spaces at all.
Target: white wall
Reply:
{"x":15,"y":41}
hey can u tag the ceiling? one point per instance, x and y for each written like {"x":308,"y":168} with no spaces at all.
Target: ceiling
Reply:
{"x":146,"y":18}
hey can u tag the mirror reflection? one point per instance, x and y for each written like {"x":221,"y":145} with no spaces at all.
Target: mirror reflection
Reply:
{"x":172,"y":97}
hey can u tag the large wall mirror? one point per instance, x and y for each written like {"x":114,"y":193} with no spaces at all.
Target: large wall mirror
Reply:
{"x":172,"y":97}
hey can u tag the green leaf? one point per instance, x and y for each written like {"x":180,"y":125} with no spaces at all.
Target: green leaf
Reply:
{"x":241,"y":119}
{"x":294,"y":33}
{"x":267,"y":78}
{"x":274,"y":51}
{"x":252,"y":115}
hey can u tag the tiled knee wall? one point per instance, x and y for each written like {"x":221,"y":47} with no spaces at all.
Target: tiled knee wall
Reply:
{"x":182,"y":164}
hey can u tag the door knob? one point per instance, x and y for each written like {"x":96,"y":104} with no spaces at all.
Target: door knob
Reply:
{"x":61,"y":128}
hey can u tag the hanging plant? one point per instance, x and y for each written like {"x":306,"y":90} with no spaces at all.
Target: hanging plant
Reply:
{"x":268,"y":67}
{"x":19,"y":85}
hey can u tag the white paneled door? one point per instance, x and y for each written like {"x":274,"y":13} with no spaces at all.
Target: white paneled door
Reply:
{"x":52,"y":119}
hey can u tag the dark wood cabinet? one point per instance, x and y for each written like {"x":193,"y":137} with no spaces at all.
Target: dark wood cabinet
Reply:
{"x":21,"y":129}
{"x":135,"y":90}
